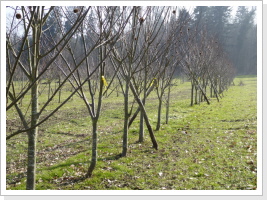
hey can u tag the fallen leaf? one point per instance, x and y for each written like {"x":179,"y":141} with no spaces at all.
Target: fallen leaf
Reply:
{"x":250,"y":162}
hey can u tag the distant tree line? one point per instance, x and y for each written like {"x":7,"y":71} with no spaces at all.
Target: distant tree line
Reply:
{"x":237,"y":34}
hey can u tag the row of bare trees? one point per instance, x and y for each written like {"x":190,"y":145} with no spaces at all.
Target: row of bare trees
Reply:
{"x":98,"y":50}
{"x":207,"y":66}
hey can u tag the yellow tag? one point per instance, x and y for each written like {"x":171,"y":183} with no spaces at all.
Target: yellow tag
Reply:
{"x":104,"y":82}
{"x":154,"y":82}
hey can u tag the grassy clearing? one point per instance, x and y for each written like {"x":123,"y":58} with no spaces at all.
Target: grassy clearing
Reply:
{"x":204,"y":147}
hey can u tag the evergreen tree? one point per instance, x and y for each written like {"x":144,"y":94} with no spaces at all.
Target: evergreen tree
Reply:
{"x":237,"y":37}
{"x":244,"y":53}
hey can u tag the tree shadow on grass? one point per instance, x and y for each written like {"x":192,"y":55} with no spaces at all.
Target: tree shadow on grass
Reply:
{"x":113,"y":157}
{"x":64,"y":165}
{"x":13,"y":180}
{"x":70,"y":134}
{"x":72,"y":180}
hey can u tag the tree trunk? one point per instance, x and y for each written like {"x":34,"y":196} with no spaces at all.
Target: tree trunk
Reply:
{"x":211,"y":88}
{"x":168,"y":104}
{"x":138,"y":109}
{"x":141,"y":125}
{"x":141,"y":128}
{"x":205,"y":96}
{"x":151,"y":133}
{"x":199,"y":97}
{"x":94,"y":150}
{"x":214,"y":90}
{"x":134,"y":116}
{"x":32,"y":135}
{"x":126,"y":121}
{"x":205,"y":90}
{"x":159,"y":113}
{"x":95,"y":115}
{"x":32,"y":138}
{"x":196,"y":96}
{"x":49,"y":89}
{"x":192,"y":93}
{"x":197,"y":85}
{"x":59,"y":93}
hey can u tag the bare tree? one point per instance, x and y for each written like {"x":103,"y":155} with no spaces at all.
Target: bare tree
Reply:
{"x":168,"y":63}
{"x":130,"y":55}
{"x":202,"y":65}
{"x":105,"y":31}
{"x":35,"y":56}
{"x":193,"y":62}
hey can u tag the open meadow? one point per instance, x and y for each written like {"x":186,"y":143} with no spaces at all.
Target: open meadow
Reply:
{"x":203,"y":147}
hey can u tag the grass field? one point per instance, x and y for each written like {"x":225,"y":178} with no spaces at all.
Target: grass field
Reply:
{"x":204,"y":147}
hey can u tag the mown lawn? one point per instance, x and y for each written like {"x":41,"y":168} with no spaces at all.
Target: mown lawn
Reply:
{"x":204,"y":147}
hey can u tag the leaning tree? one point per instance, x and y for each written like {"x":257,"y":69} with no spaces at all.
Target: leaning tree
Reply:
{"x":131,"y":57}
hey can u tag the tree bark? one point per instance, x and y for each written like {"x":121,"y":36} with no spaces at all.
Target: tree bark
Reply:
{"x":141,"y":128}
{"x":196,"y":96}
{"x":159,"y":114}
{"x":211,"y":88}
{"x":138,"y":109}
{"x":59,"y":93}
{"x":192,"y":92}
{"x":32,"y":134}
{"x":197,"y":85}
{"x":150,"y":130}
{"x":126,"y":120}
{"x":94,"y":150}
{"x":49,"y":89}
{"x":168,"y":104}
{"x":141,"y":125}
{"x":32,"y":137}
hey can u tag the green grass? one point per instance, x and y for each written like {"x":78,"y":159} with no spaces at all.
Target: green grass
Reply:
{"x":204,"y":147}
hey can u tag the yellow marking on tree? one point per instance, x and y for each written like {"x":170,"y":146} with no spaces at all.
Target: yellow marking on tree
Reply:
{"x":104,"y":82}
{"x":154,"y":82}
